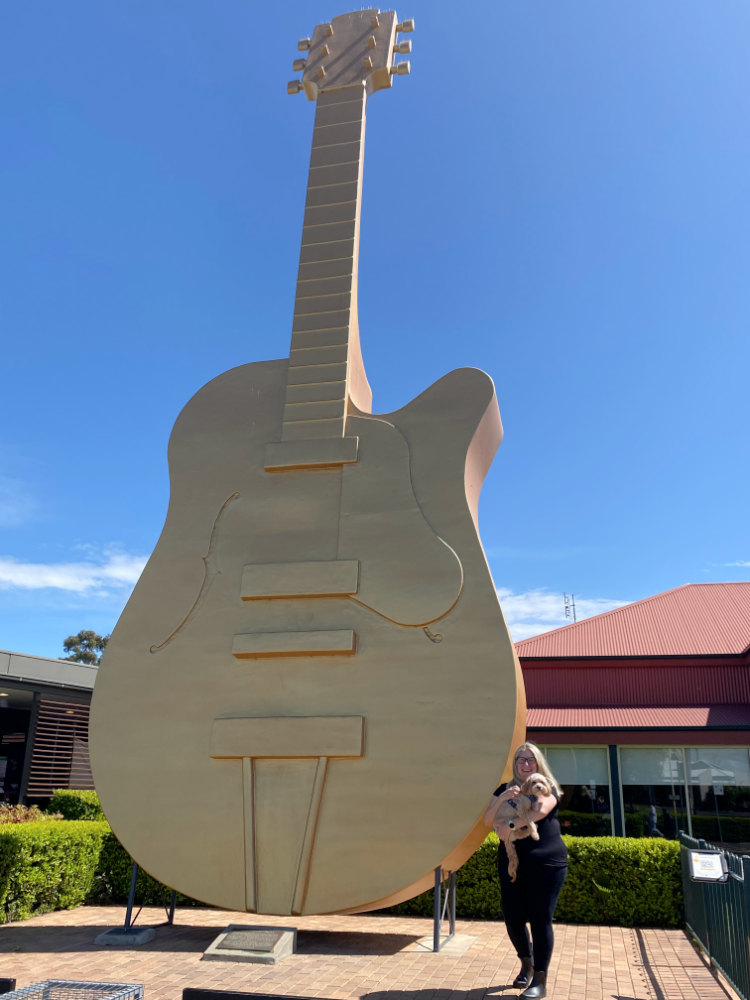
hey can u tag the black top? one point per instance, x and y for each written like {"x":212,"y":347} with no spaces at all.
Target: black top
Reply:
{"x":549,"y":849}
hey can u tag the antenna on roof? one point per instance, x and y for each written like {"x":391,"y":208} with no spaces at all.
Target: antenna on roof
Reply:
{"x":570,"y":606}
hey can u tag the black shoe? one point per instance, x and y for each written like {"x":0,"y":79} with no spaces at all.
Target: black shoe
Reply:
{"x":538,"y":988}
{"x":524,"y":976}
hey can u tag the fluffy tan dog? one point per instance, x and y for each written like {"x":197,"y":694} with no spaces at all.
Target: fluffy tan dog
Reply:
{"x":518,"y":813}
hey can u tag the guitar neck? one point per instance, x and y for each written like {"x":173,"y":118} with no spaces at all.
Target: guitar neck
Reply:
{"x":326,"y":373}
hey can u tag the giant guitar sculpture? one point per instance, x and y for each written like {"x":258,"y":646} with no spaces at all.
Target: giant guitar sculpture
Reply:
{"x":312,"y":693}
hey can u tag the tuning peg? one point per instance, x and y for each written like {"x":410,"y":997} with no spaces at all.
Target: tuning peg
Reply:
{"x":294,"y":87}
{"x":304,"y":44}
{"x":372,"y":42}
{"x":374,"y":22}
{"x":404,"y":48}
{"x":406,"y":26}
{"x":329,"y":29}
{"x":321,"y":71}
{"x":324,"y":50}
{"x":401,"y":69}
{"x":299,"y":64}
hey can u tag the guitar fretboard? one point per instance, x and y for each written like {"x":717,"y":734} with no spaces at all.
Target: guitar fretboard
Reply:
{"x":325,"y":366}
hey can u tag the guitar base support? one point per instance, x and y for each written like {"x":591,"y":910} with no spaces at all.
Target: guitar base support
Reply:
{"x":444,"y":905}
{"x":129,"y":935}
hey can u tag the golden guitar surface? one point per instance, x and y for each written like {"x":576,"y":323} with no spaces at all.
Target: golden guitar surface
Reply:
{"x":312,"y":692}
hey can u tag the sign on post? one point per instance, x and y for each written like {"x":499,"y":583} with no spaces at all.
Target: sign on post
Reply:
{"x":708,"y":866}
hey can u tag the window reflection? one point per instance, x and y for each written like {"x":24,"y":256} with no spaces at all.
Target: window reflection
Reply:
{"x":719,"y":789}
{"x":583,"y":775}
{"x":653,"y":792}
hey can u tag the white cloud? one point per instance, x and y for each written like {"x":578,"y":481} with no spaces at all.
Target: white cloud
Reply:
{"x":740,"y":562}
{"x":116,"y":570}
{"x":537,"y":611}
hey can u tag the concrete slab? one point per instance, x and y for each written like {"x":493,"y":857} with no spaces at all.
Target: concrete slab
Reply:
{"x":120,"y":937}
{"x":459,"y":944}
{"x":260,"y":944}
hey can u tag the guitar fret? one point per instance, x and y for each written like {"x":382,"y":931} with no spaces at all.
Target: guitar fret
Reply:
{"x":318,"y":355}
{"x":320,"y":338}
{"x":314,"y":270}
{"x":294,"y":412}
{"x":331,"y":194}
{"x":338,"y":155}
{"x":323,"y":286}
{"x":335,"y":250}
{"x":339,"y":173}
{"x":315,"y":392}
{"x":333,"y":135}
{"x":328,"y":232}
{"x":321,"y":321}
{"x":322,"y":303}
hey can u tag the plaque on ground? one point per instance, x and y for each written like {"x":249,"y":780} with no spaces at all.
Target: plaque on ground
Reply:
{"x":256,"y":940}
{"x":241,"y":943}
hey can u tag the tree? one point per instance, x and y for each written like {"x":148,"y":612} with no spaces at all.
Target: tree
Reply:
{"x":86,"y":647}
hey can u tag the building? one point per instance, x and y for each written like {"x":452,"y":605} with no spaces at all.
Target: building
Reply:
{"x":645,"y":715}
{"x":44,"y":722}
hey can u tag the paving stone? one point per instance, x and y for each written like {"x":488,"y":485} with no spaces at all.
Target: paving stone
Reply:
{"x":357,"y":958}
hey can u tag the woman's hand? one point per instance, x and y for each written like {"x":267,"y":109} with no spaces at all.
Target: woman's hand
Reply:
{"x":509,"y":793}
{"x":489,"y":812}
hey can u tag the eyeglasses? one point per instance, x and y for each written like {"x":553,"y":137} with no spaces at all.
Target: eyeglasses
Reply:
{"x":525,"y":760}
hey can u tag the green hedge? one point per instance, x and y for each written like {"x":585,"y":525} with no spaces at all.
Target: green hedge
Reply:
{"x":59,"y":864}
{"x":74,"y":803}
{"x":47,"y":866}
{"x":611,"y":880}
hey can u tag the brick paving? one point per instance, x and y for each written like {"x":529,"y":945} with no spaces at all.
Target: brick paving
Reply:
{"x":356,"y":957}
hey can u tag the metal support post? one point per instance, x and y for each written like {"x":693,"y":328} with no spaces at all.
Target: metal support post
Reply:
{"x":452,"y":891}
{"x":443,"y":905}
{"x":172,"y":904}
{"x":436,"y":912}
{"x":131,"y":897}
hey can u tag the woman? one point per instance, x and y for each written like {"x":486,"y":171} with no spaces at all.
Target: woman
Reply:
{"x":542,"y":867}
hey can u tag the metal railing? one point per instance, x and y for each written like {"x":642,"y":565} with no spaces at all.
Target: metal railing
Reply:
{"x":717,"y":914}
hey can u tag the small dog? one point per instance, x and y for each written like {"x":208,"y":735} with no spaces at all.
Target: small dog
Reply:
{"x":518,"y":814}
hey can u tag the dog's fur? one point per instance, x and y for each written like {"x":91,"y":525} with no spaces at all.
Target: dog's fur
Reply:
{"x":518,"y":814}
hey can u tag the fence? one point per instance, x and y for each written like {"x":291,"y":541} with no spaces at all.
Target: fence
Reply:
{"x":718,"y":914}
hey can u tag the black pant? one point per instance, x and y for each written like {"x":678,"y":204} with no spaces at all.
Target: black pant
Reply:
{"x":531,"y":899}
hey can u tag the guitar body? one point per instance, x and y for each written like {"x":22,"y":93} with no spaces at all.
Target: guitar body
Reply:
{"x":292,"y":747}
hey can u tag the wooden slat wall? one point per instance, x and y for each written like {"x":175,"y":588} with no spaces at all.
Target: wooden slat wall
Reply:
{"x":60,"y":754}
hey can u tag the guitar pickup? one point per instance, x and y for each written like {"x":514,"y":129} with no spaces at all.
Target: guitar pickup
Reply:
{"x":254,"y":645}
{"x":264,"y":581}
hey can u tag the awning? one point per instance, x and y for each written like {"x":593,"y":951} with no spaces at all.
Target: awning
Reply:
{"x":679,"y":717}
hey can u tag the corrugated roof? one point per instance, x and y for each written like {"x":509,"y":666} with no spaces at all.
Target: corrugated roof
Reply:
{"x":697,"y":619}
{"x":734,"y":716}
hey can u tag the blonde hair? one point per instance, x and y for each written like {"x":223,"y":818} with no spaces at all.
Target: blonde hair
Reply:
{"x":541,"y":765}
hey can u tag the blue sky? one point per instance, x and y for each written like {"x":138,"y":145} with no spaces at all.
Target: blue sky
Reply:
{"x":557,"y":194}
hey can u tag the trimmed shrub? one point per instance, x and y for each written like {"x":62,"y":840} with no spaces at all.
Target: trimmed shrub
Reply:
{"x":73,"y":803}
{"x":625,"y":881}
{"x":611,"y":880}
{"x":47,"y":866}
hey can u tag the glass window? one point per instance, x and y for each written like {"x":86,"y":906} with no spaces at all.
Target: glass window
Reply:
{"x":653,"y":792}
{"x":719,"y":789}
{"x":583,"y":776}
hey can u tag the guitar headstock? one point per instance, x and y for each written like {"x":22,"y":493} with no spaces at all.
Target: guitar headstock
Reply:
{"x":352,"y":48}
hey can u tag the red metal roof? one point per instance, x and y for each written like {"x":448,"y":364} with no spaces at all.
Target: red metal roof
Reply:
{"x":697,"y":619}
{"x":735,"y":716}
